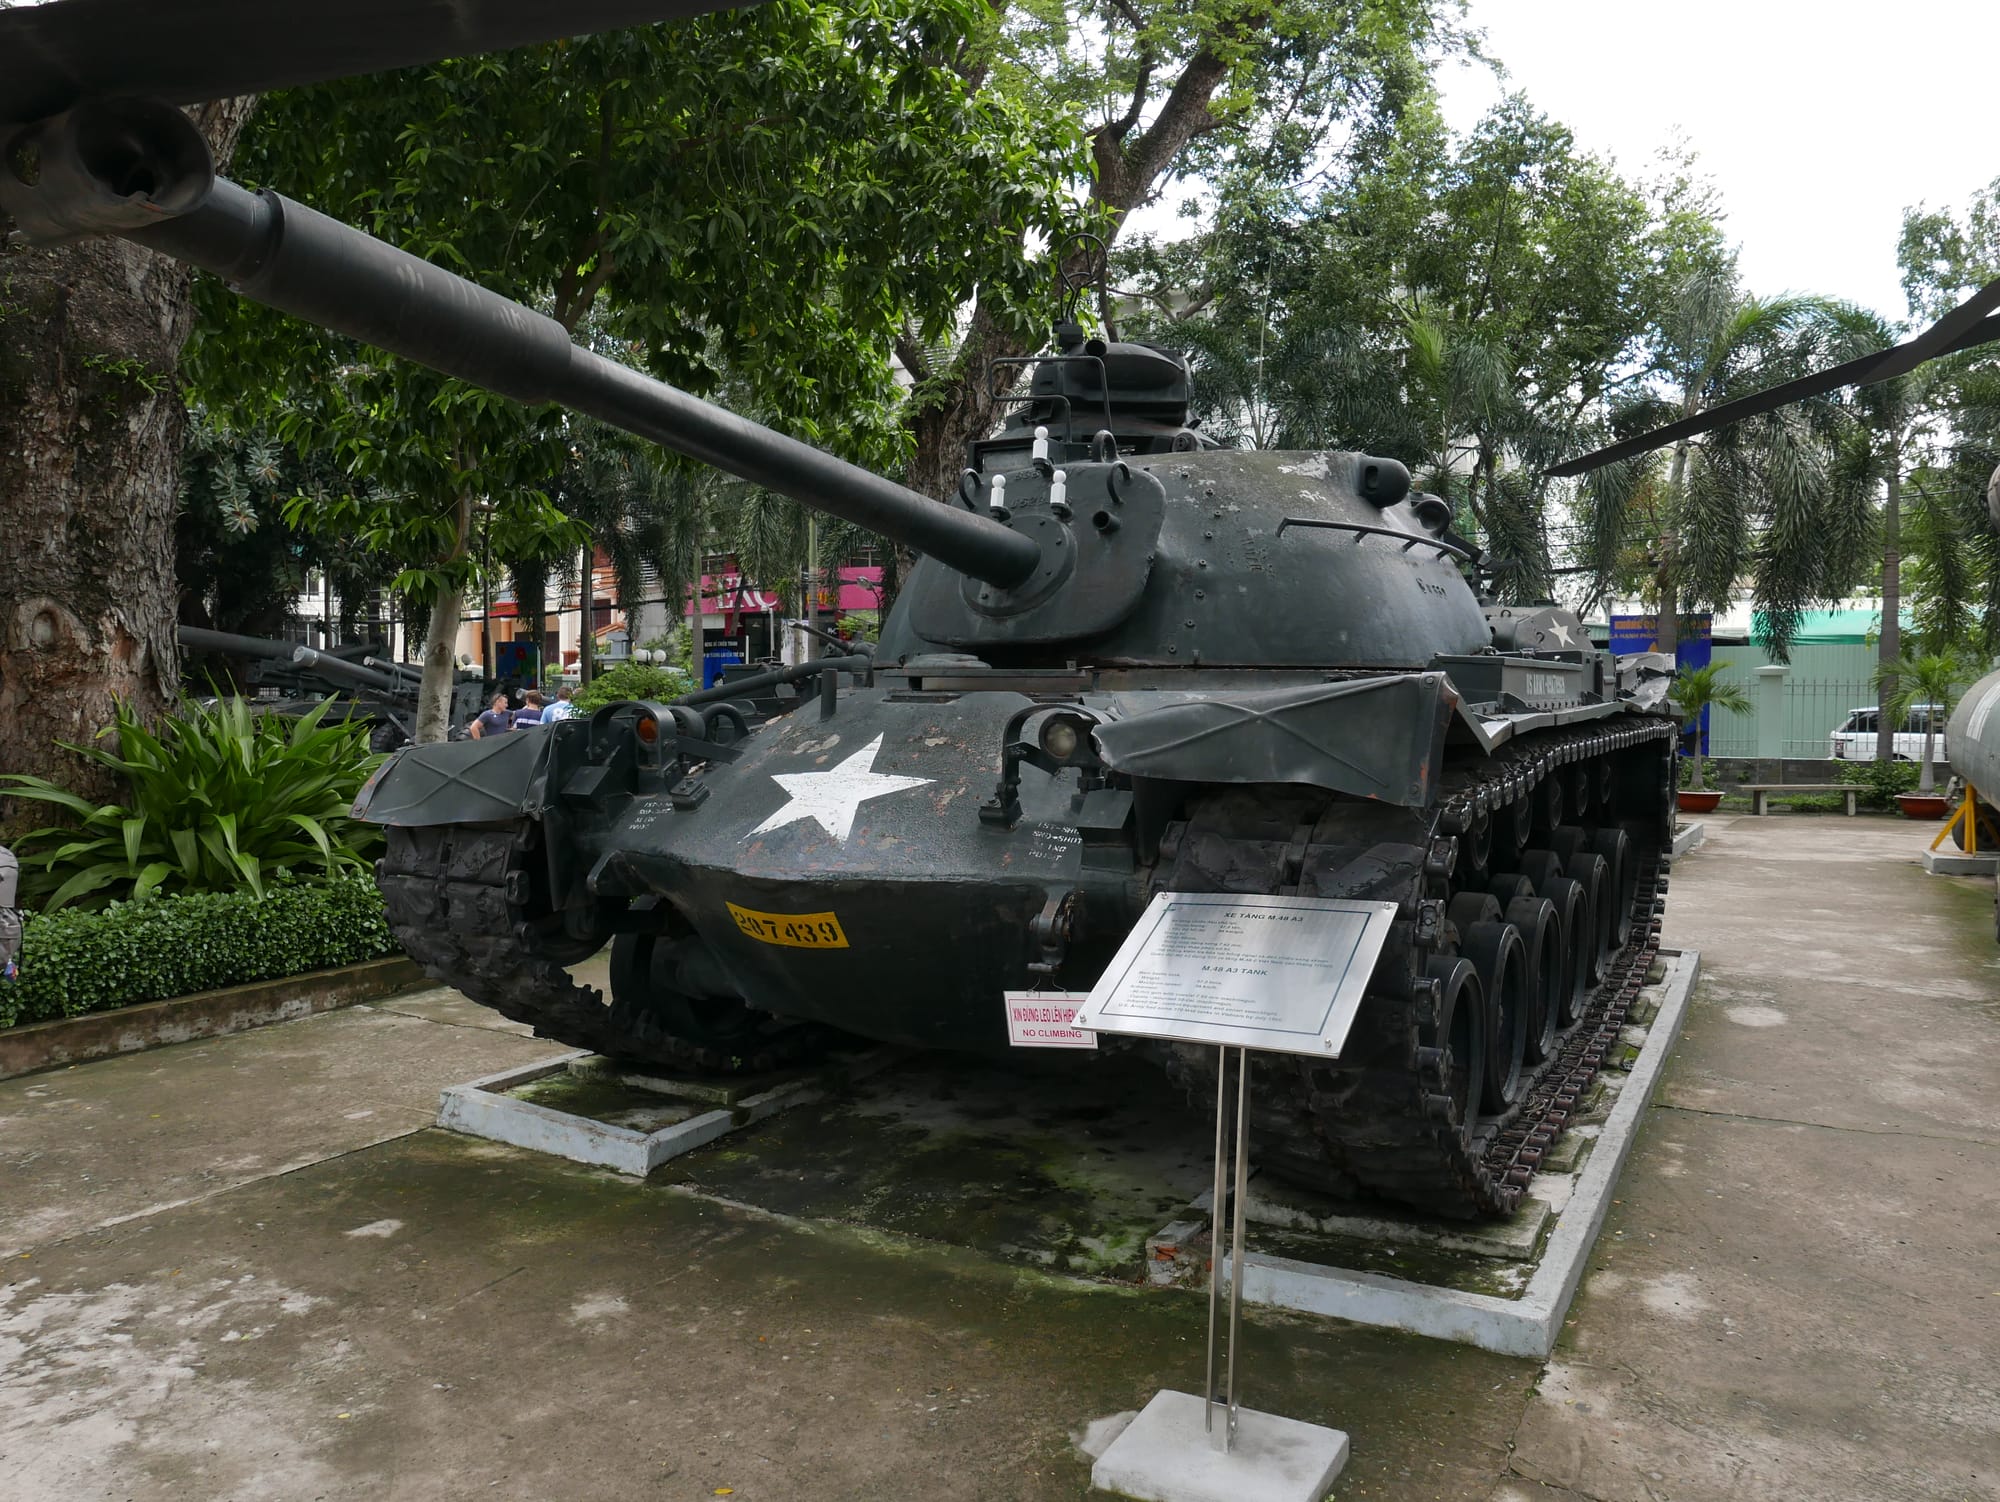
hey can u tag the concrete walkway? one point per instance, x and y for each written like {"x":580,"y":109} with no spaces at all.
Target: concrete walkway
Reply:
{"x":247,"y":1269}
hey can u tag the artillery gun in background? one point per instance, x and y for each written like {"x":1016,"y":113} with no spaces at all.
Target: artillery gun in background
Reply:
{"x":363,"y":686}
{"x":1127,"y":662}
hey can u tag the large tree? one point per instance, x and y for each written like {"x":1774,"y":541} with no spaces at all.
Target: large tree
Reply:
{"x":91,"y":423}
{"x":767,"y":193}
{"x":1163,"y":90}
{"x":1461,"y":303}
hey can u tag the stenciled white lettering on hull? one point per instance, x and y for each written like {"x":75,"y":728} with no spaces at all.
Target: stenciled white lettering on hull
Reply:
{"x":834,"y":796}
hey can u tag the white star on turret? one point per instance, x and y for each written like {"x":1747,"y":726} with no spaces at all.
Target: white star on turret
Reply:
{"x":834,"y":796}
{"x":1561,"y":633}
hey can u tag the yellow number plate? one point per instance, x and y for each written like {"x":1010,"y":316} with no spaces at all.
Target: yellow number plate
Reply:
{"x":799,"y":930}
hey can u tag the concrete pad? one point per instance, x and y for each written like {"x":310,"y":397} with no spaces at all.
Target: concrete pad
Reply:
{"x":95,"y":1144}
{"x":1958,"y":863}
{"x":1840,"y":985}
{"x":1164,"y":1455}
{"x":441,"y":1317}
{"x":1688,"y":837}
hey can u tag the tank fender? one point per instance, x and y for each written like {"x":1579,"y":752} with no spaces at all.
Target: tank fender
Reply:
{"x":1376,"y":737}
{"x":488,"y":781}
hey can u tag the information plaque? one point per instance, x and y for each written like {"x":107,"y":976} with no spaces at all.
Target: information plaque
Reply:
{"x":1280,"y":973}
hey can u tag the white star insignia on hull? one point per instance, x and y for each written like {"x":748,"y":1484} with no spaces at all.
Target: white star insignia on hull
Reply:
{"x":834,"y":796}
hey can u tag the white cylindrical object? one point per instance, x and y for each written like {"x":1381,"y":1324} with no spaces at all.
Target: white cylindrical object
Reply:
{"x":1059,"y":494}
{"x":1041,"y":449}
{"x":996,"y":496}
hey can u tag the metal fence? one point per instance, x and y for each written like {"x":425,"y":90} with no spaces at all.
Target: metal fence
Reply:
{"x":1810,"y":710}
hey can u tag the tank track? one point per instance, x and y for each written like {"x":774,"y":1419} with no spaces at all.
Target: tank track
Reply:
{"x":458,"y":900}
{"x":1380,"y":1122}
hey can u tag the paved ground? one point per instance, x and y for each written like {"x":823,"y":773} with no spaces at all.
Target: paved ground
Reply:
{"x":245,"y":1269}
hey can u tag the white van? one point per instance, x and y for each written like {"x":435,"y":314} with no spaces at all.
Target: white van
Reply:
{"x":1854,"y":740}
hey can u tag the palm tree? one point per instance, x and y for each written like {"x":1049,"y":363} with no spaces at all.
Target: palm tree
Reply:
{"x":1928,"y":681}
{"x":1696,"y":689}
{"x":1755,"y":497}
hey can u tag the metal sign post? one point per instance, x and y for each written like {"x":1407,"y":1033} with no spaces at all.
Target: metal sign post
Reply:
{"x":1227,"y":1437}
{"x":1240,"y":972}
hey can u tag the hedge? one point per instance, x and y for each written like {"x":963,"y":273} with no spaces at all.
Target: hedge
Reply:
{"x":74,"y":961}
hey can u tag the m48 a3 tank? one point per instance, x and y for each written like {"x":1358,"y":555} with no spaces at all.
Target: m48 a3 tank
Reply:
{"x":1128,"y":662}
{"x":1138,"y":663}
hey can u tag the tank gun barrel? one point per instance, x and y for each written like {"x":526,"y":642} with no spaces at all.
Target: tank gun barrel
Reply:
{"x":301,"y":262}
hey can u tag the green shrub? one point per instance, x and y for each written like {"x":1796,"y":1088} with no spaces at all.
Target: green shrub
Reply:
{"x":633,"y":680}
{"x":1882,"y":779}
{"x":77,"y":961}
{"x":1684,"y":771}
{"x":222,"y":799}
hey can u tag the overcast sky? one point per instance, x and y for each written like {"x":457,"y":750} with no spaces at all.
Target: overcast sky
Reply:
{"x":1819,"y":122}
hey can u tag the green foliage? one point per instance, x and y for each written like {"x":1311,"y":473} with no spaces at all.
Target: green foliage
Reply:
{"x":1458,"y":302}
{"x":1696,"y":689}
{"x":633,"y":680}
{"x":77,"y":961}
{"x":771,"y":192}
{"x":1697,"y":773}
{"x":861,"y":626}
{"x":1882,"y":779}
{"x":221,"y":799}
{"x":1924,"y":678}
{"x":239,"y":568}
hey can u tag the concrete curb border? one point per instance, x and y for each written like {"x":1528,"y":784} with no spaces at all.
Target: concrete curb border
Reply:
{"x":1526,"y":1326}
{"x":481,"y":1108}
{"x":36,"y":1046}
{"x":1689,"y":837}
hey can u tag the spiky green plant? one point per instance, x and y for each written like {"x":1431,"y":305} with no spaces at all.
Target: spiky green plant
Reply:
{"x":1924,"y":678}
{"x":1696,"y":689}
{"x":220,"y":799}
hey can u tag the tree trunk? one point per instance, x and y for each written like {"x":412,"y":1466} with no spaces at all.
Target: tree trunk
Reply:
{"x":953,"y":409}
{"x":1890,"y":647}
{"x":1668,"y":639}
{"x":441,"y":639}
{"x":90,"y":446}
{"x":1925,"y":781}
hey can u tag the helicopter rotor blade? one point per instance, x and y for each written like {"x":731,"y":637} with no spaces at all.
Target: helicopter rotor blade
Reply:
{"x":54,"y":54}
{"x":1972,"y":322}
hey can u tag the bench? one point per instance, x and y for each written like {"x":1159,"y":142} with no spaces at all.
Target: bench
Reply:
{"x":1760,"y":792}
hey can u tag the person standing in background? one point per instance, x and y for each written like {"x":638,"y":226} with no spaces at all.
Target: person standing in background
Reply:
{"x":493,"y":720}
{"x":562,"y":708}
{"x":530,"y":712}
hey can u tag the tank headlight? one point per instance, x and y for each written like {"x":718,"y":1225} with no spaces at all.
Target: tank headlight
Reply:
{"x":1063,"y":739}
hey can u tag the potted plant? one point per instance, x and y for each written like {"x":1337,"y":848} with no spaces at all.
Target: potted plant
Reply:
{"x":1696,"y":689}
{"x":1926,"y":683}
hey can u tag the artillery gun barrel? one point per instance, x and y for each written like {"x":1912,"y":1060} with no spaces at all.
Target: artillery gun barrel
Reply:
{"x":795,"y":674}
{"x":340,"y":670}
{"x":301,"y":262}
{"x":401,"y":670}
{"x":203,"y":640}
{"x":832,"y":639}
